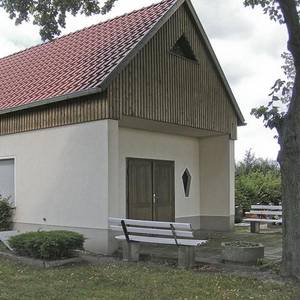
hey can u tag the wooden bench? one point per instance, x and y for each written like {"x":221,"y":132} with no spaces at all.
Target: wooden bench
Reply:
{"x":136,"y":232}
{"x":263,"y":214}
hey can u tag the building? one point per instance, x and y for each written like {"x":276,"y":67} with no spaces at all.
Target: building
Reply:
{"x":129,"y":118}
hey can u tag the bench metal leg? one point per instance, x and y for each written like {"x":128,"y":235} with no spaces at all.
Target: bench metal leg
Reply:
{"x":254,"y":227}
{"x":186,"y":257}
{"x":131,"y":251}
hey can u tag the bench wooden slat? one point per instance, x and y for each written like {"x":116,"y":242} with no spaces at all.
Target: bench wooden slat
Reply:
{"x":264,"y":212}
{"x":137,"y":232}
{"x":178,"y":226}
{"x":267,"y":207}
{"x":163,"y":232}
{"x":262,"y":220}
{"x":166,"y":241}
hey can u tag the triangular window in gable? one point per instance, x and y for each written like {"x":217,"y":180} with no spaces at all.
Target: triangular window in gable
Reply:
{"x":183,"y":48}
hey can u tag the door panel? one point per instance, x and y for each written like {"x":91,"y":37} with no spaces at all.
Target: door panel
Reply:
{"x":150,"y":190}
{"x":139,"y":187}
{"x":163,"y":179}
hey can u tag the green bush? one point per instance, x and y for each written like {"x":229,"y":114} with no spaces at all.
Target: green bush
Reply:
{"x":48,"y":245}
{"x":5,"y":214}
{"x":257,"y":180}
{"x":257,"y":187}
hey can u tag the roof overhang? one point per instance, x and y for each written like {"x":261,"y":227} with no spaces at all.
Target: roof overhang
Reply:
{"x":52,"y":100}
{"x":129,"y":56}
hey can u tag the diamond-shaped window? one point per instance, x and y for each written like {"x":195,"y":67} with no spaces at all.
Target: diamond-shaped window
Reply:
{"x":186,"y":179}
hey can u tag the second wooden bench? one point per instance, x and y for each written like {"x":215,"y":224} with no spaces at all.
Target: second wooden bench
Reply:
{"x":263,"y":214}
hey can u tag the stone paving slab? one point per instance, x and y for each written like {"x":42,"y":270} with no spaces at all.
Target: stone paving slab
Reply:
{"x":211,"y":253}
{"x":6,"y":235}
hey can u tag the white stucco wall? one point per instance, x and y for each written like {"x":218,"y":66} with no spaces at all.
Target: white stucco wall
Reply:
{"x":74,"y":176}
{"x":62,"y":174}
{"x":152,"y":145}
{"x":217,"y":177}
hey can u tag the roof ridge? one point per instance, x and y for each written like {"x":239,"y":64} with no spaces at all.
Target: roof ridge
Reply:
{"x":85,"y":28}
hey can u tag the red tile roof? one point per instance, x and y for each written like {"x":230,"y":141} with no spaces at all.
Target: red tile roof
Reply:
{"x":75,"y":62}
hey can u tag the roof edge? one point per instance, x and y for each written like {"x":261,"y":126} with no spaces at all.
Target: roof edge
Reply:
{"x":128,"y":57}
{"x":131,"y":53}
{"x":241,"y":118}
{"x":119,"y":66}
{"x":52,"y":100}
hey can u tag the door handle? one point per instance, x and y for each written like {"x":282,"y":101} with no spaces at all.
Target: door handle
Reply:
{"x":155,"y":198}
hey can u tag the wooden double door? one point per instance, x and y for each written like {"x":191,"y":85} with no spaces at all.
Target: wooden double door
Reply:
{"x":150,"y":190}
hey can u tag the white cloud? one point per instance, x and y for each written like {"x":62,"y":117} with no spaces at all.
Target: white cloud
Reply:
{"x":15,"y":38}
{"x":247,"y":43}
{"x":248,"y":46}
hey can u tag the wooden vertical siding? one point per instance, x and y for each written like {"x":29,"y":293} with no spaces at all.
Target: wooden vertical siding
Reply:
{"x":158,"y":85}
{"x":85,"y":109}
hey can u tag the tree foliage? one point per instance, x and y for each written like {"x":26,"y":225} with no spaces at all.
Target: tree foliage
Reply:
{"x":281,"y":92}
{"x":270,"y":7}
{"x":282,"y":113}
{"x":50,"y":15}
{"x":285,"y":12}
{"x":257,"y":181}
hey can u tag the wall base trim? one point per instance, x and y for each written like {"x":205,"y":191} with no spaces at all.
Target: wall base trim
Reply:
{"x":194,"y":220}
{"x":217,"y":223}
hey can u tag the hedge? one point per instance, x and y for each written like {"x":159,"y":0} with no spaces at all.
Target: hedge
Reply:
{"x":5,"y":214}
{"x":48,"y":245}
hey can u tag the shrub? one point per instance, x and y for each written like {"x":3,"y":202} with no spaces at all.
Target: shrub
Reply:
{"x":256,"y":187}
{"x":257,"y":181}
{"x":48,"y":245}
{"x":5,"y":214}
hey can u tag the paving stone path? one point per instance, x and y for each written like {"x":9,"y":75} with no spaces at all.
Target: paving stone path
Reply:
{"x":271,"y":238}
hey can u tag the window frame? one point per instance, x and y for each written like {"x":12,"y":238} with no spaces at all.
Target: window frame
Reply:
{"x":187,"y":188}
{"x":12,"y":157}
{"x":194,"y":60}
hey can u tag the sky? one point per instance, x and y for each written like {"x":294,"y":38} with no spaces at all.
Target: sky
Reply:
{"x":247,"y":44}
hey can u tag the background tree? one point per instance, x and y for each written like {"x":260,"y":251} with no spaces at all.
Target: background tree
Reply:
{"x":257,"y":181}
{"x":50,"y":15}
{"x":285,"y":118}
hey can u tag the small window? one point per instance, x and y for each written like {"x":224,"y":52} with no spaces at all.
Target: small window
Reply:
{"x":7,"y":179}
{"x":186,"y":179}
{"x":184,"y":49}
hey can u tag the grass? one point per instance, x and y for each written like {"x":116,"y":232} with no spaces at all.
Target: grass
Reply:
{"x":3,"y":247}
{"x":126,"y":281}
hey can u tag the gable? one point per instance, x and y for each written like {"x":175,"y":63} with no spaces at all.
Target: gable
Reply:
{"x":76,"y":63}
{"x":160,"y":86}
{"x":146,"y":79}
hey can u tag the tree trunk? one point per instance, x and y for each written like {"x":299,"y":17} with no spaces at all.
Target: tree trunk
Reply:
{"x":289,"y":155}
{"x":289,"y":159}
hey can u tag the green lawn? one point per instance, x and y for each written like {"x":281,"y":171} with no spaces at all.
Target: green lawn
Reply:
{"x":125,"y":281}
